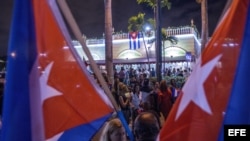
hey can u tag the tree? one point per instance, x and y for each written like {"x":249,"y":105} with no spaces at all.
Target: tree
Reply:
{"x":135,"y":23}
{"x":157,"y":5}
{"x":153,"y":3}
{"x":165,"y":37}
{"x":108,"y":40}
{"x":173,"y":40}
{"x":204,"y":23}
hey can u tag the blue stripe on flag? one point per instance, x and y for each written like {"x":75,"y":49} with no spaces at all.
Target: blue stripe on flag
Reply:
{"x":125,"y":124}
{"x":83,"y":132}
{"x":21,"y":56}
{"x":130,"y":42}
{"x":139,"y":40}
{"x":238,"y":107}
{"x":134,"y":43}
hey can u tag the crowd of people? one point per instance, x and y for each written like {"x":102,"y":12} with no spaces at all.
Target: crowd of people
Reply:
{"x":143,"y":101}
{"x":147,"y":126}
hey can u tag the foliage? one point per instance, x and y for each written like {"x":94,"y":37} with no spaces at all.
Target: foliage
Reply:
{"x":151,"y":21}
{"x":135,"y":23}
{"x":165,"y":37}
{"x":153,"y":3}
{"x":198,"y":1}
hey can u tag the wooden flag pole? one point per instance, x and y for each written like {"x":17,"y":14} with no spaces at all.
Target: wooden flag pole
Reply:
{"x":75,"y":29}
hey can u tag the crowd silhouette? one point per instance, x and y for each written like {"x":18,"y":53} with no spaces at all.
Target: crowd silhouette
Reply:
{"x":145,"y":102}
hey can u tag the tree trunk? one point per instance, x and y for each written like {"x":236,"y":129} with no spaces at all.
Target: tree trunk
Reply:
{"x":108,"y":40}
{"x":146,"y":49}
{"x":204,"y":20}
{"x":158,"y":45}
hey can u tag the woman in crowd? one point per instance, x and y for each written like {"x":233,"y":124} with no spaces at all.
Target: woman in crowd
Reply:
{"x":125,"y":101}
{"x":136,"y":101}
{"x":174,"y":90}
{"x":164,"y":99}
{"x":151,"y":103}
{"x":113,"y":131}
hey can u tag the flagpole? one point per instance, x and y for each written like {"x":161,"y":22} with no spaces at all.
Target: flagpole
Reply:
{"x":76,"y":31}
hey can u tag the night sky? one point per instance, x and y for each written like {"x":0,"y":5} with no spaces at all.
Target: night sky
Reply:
{"x":89,"y":15}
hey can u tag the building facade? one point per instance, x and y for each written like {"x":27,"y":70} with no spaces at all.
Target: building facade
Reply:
{"x":186,"y":50}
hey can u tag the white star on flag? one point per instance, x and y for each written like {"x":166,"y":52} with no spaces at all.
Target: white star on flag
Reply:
{"x":46,"y":90}
{"x":193,"y":90}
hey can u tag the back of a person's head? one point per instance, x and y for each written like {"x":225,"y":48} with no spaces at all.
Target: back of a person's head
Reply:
{"x":114,"y":125}
{"x":163,"y":86}
{"x":146,"y":126}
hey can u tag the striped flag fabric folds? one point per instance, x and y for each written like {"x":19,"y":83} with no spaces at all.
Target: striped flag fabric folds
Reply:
{"x":49,"y":94}
{"x":134,"y":40}
{"x":217,"y":91}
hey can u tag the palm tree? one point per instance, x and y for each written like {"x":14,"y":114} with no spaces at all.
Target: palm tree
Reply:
{"x":204,"y":23}
{"x":135,"y":23}
{"x":172,"y":39}
{"x":153,"y":4}
{"x":108,"y":39}
{"x":157,"y":5}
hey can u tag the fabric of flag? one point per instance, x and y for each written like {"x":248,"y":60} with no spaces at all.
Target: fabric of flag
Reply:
{"x":134,"y":40}
{"x":48,"y":93}
{"x":218,"y":87}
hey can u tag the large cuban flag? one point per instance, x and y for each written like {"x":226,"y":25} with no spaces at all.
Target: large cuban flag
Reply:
{"x":217,"y":92}
{"x":134,"y":40}
{"x":48,"y":93}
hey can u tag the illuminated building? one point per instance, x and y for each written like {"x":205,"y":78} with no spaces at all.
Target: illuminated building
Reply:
{"x":185,"y":51}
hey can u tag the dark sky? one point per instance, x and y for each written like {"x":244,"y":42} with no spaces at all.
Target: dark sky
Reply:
{"x":89,"y":15}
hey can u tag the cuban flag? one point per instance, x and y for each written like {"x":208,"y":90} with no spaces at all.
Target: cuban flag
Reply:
{"x":217,"y":91}
{"x":134,"y":40}
{"x":49,"y":94}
